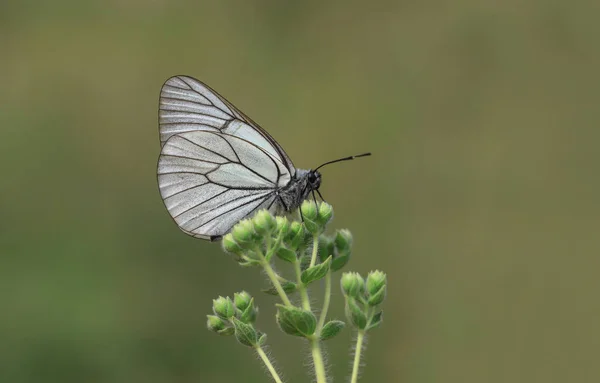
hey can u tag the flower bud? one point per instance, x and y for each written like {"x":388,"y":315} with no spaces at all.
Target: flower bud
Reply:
{"x":243,"y":232}
{"x":214,"y":323}
{"x":295,"y":235}
{"x":264,"y":223}
{"x":282,"y":225}
{"x":242,"y":300}
{"x":343,"y":240}
{"x":376,"y":287}
{"x":352,"y":284}
{"x":309,"y":210}
{"x":325,"y":213}
{"x":376,"y":280}
{"x":223,"y":307}
{"x":230,"y":245}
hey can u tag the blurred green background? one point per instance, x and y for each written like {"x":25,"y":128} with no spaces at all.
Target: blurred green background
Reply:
{"x":480,"y":202}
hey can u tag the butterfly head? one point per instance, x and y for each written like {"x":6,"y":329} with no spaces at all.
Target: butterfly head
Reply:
{"x":314,"y":179}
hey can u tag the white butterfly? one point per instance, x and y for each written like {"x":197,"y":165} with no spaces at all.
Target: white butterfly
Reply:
{"x":217,"y":166}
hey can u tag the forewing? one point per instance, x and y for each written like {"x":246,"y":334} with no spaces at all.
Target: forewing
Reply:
{"x":209,"y":181}
{"x":188,"y":105}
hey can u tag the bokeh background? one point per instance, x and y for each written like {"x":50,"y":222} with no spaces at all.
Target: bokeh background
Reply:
{"x":480,"y":202}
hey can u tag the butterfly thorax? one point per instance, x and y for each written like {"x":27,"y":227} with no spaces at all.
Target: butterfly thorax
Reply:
{"x":299,"y":188}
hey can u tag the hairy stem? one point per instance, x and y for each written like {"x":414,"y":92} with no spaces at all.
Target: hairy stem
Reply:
{"x":326,"y":301}
{"x":301,"y":287}
{"x":274,"y":278}
{"x":268,"y":363}
{"x":314,"y":341}
{"x":357,"y":352}
{"x":318,"y":360}
{"x":315,"y":250}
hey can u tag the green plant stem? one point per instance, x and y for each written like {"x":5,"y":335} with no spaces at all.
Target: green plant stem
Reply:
{"x":318,"y":360}
{"x":301,"y":287}
{"x":326,"y":301}
{"x":274,"y":279}
{"x":357,"y":352}
{"x":268,"y":363}
{"x":315,"y":250}
{"x":315,"y":344}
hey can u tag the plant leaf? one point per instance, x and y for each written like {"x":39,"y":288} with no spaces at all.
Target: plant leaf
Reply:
{"x":376,"y":321}
{"x":296,"y":321}
{"x":331,"y":329}
{"x":286,"y":254}
{"x":244,"y":333}
{"x":316,"y":272}
{"x":288,"y":287}
{"x":355,"y":314}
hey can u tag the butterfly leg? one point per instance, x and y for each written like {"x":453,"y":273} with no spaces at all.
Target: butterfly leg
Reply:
{"x":320,"y":196}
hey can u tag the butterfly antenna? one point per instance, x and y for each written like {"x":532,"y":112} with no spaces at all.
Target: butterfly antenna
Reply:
{"x":343,"y":159}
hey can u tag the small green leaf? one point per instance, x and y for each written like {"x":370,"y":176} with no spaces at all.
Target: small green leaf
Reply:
{"x":296,"y":321}
{"x":376,"y":321}
{"x":262,"y":339}
{"x":331,"y":329}
{"x":244,"y":333}
{"x":226,"y":331}
{"x":355,"y":314}
{"x":286,"y":254}
{"x":339,"y":262}
{"x":312,"y":227}
{"x":247,"y":262}
{"x":249,"y":314}
{"x":316,"y":272}
{"x":378,"y":297}
{"x":288,"y":287}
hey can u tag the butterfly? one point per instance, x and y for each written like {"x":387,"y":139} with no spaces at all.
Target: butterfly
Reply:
{"x":217,"y":166}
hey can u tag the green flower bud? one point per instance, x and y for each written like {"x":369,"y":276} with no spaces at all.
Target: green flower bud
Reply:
{"x":243,"y":233}
{"x":353,"y":284}
{"x":309,"y":210}
{"x":325,"y":213}
{"x":264,"y":223}
{"x":214,"y":323}
{"x":295,"y":235}
{"x":343,"y":240}
{"x":282,"y":226}
{"x":376,"y":280}
{"x":242,"y":300}
{"x":223,"y":307}
{"x":230,"y":245}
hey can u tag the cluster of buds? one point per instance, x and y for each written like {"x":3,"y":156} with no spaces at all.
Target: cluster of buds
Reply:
{"x":256,"y":240}
{"x":363,"y":298}
{"x":236,"y":316}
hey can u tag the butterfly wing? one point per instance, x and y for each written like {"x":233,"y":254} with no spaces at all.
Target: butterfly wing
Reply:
{"x":211,"y":180}
{"x":188,"y":105}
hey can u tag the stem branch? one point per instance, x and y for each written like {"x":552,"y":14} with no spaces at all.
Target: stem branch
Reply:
{"x":326,"y":300}
{"x":318,"y":360}
{"x":357,"y":351}
{"x":315,"y":250}
{"x":268,"y":364}
{"x":274,"y":279}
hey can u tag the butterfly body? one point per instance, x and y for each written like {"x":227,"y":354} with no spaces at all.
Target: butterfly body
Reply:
{"x":304,"y":183}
